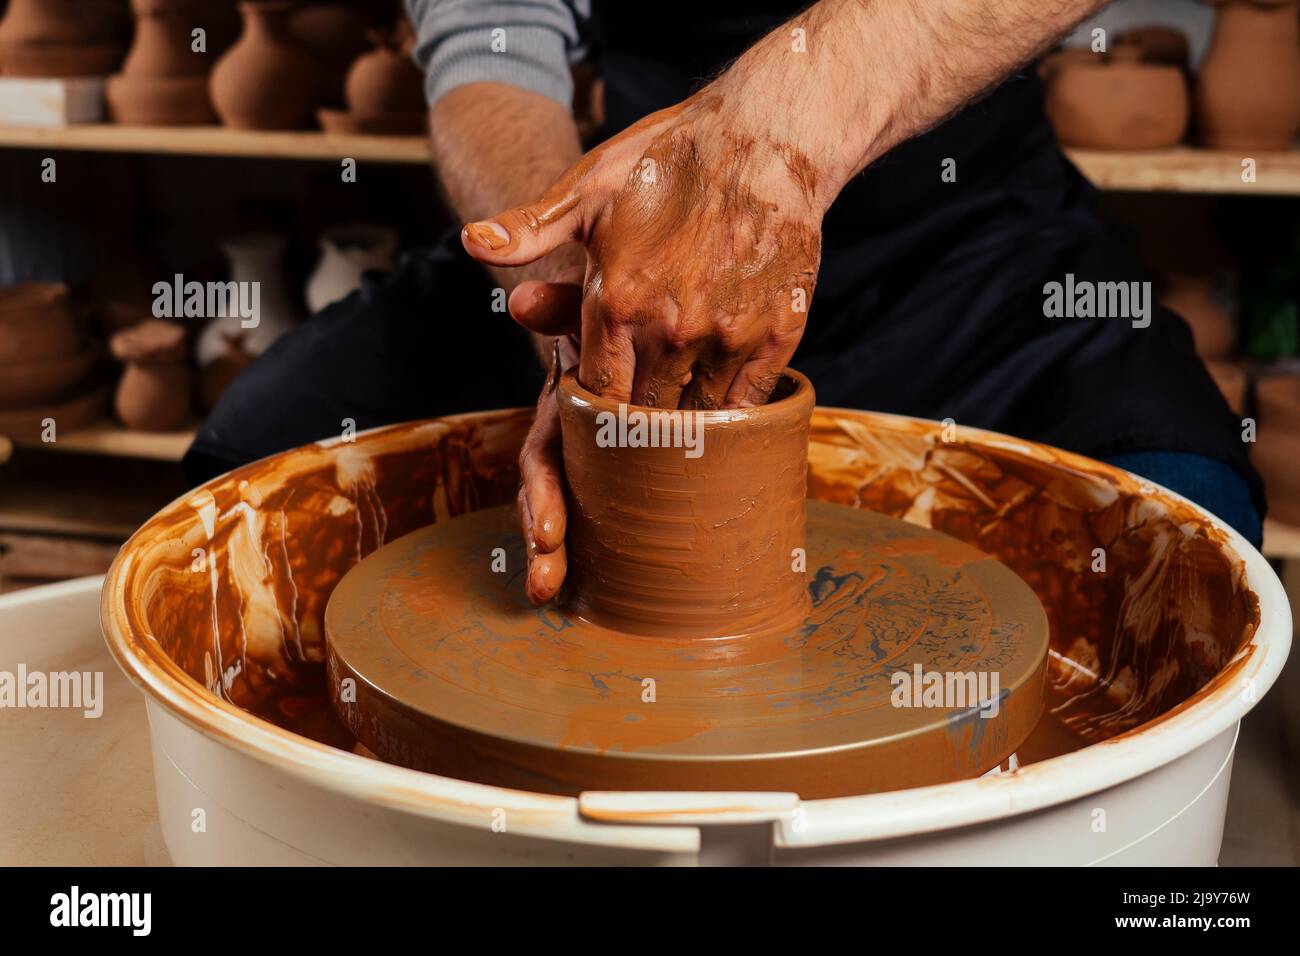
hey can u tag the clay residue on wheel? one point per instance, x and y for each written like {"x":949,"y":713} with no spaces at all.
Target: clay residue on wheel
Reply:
{"x":1131,"y":643}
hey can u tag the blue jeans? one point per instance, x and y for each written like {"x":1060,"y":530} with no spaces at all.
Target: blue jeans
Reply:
{"x":1213,"y":485}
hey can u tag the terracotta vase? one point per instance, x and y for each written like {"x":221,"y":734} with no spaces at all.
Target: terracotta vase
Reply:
{"x":163,"y":82}
{"x":695,"y":537}
{"x":385,"y":93}
{"x":1197,"y":301}
{"x":335,"y":34}
{"x":154,"y":392}
{"x":1276,"y":449}
{"x":63,"y":37}
{"x":1248,"y":91}
{"x":346,"y":254}
{"x":1116,"y":101}
{"x":265,"y":81}
{"x":36,"y":322}
{"x":255,"y":263}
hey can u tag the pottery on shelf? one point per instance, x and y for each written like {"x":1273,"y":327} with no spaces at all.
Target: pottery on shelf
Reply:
{"x":163,"y":82}
{"x":154,"y":391}
{"x":1195,"y":298}
{"x":346,"y":253}
{"x":1233,"y":383}
{"x":335,"y":34}
{"x":1157,"y":44}
{"x":215,"y":377}
{"x":63,"y":38}
{"x":1248,"y":90}
{"x":265,"y":81}
{"x":36,"y":322}
{"x":32,"y":382}
{"x":384,"y":93}
{"x":1116,"y":101}
{"x":254,"y":265}
{"x":1276,"y":448}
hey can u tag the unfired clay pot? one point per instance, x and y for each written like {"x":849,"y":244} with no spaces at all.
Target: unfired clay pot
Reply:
{"x":31,"y":382}
{"x":36,"y":322}
{"x":265,"y":81}
{"x":154,"y":392}
{"x":63,"y":37}
{"x":1276,"y":450}
{"x":216,"y":376}
{"x":385,"y":93}
{"x":255,"y":262}
{"x":1157,"y":44}
{"x":346,"y":253}
{"x":163,"y":82}
{"x":638,"y":564}
{"x":1233,"y":383}
{"x":1195,"y":299}
{"x":1116,"y":101}
{"x":335,"y":34}
{"x":1248,"y":91}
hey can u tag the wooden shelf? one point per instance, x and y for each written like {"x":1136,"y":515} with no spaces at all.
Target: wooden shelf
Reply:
{"x":1187,"y":170}
{"x":109,"y":438}
{"x":1281,"y":540}
{"x":218,"y":141}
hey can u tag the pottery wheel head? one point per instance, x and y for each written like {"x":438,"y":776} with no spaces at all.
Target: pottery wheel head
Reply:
{"x":921,"y":661}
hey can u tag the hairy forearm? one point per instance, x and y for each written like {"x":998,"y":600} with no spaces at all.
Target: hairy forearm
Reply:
{"x":496,"y":146}
{"x":847,"y":80}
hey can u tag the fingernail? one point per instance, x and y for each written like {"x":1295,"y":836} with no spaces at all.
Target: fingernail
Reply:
{"x":490,"y":234}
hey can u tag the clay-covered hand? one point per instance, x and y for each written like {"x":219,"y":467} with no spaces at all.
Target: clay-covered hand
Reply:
{"x":703,"y":239}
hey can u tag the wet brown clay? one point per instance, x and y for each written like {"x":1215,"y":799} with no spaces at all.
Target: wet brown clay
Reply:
{"x":1116,"y":102}
{"x":264,"y":81}
{"x":1248,"y":90}
{"x":154,"y":391}
{"x":678,"y":540}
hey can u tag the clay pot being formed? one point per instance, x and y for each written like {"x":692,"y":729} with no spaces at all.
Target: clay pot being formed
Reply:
{"x":265,"y":81}
{"x":163,"y":82}
{"x":695,"y":537}
{"x":347,"y":253}
{"x":335,"y":34}
{"x":1116,"y":101}
{"x":63,"y":37}
{"x":36,"y":322}
{"x":1248,"y":91}
{"x":1194,"y":298}
{"x":154,"y":392}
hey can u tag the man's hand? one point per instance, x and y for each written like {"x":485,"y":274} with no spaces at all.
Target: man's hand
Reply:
{"x":703,"y":240}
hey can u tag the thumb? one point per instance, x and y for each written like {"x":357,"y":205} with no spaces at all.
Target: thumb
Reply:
{"x":525,"y":233}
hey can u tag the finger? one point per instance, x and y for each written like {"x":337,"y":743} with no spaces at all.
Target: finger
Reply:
{"x":547,"y":308}
{"x":711,"y":381}
{"x":760,"y":374}
{"x":662,"y":375}
{"x":526,"y":233}
{"x":541,"y":504}
{"x":607,"y":363}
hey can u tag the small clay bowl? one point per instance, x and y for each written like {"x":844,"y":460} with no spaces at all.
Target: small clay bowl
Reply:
{"x":698,"y":536}
{"x":159,"y":101}
{"x":36,"y":322}
{"x":28,"y":383}
{"x":1118,"y":104}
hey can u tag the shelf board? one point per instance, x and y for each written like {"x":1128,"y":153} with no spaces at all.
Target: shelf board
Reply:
{"x":218,"y":141}
{"x":109,"y":438}
{"x":1188,"y":170}
{"x":1281,"y":540}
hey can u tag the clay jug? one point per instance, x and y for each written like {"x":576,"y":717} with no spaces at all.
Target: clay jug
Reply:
{"x":164,"y":81}
{"x":265,"y":81}
{"x":154,"y":392}
{"x":254,"y":264}
{"x":386,"y":82}
{"x":347,"y":253}
{"x":1248,"y":91}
